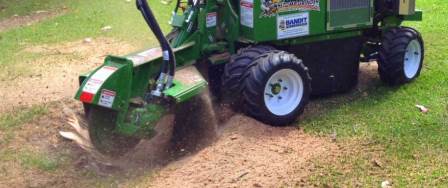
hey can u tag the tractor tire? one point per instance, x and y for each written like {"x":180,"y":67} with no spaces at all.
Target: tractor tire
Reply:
{"x":400,"y":56}
{"x":101,"y":122}
{"x":276,"y":88}
{"x":231,"y":79}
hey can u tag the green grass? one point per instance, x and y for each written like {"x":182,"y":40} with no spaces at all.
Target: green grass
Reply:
{"x":388,"y":117}
{"x":39,"y":161}
{"x":11,"y":120}
{"x":26,"y":7}
{"x":28,"y":159}
{"x":84,"y":18}
{"x":19,"y":117}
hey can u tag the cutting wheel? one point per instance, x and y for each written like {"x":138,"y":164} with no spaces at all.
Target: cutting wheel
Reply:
{"x":101,"y":123}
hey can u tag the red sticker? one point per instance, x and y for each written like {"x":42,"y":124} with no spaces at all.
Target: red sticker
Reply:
{"x":86,"y":97}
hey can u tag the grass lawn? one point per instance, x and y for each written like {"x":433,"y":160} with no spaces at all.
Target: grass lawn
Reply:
{"x":414,"y":145}
{"x":384,"y":135}
{"x":19,"y":7}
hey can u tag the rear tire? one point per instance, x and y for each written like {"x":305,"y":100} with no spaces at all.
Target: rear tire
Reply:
{"x":237,"y":66}
{"x":400,"y":56}
{"x":102,"y":123}
{"x":277,"y":87}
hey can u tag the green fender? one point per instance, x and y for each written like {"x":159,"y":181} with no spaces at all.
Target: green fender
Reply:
{"x":109,"y":85}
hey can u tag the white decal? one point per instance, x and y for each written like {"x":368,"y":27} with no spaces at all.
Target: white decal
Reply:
{"x":247,"y":13}
{"x":211,"y":19}
{"x":166,"y":55}
{"x":96,"y":81}
{"x":107,"y":98}
{"x":293,"y":25}
{"x":92,"y":86}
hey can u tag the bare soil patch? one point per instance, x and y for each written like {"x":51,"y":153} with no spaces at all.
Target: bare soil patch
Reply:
{"x":197,"y":152}
{"x":368,"y":73}
{"x":40,"y":140}
{"x":240,"y":153}
{"x":18,"y":21}
{"x":54,"y":75}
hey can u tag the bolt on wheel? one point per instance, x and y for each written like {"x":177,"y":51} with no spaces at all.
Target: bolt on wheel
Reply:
{"x":276,"y":88}
{"x":284,"y":91}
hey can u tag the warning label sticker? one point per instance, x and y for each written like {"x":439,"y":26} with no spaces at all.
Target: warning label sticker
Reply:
{"x":211,"y":19}
{"x":293,"y":25}
{"x":107,"y":98}
{"x":247,"y":13}
{"x":98,"y":78}
{"x":92,"y":86}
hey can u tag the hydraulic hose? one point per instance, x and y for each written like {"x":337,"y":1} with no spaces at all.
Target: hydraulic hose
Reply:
{"x":168,"y":67}
{"x":177,"y":6}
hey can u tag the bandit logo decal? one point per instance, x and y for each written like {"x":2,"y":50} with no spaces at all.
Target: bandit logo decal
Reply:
{"x":293,"y":25}
{"x":273,"y":7}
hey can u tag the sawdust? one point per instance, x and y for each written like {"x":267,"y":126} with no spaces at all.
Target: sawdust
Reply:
{"x":196,"y":125}
{"x":368,"y":74}
{"x":251,"y":154}
{"x":193,"y":151}
{"x":178,"y":134}
{"x":188,"y":75}
{"x":19,"y":21}
{"x":247,"y":154}
{"x":54,"y":75}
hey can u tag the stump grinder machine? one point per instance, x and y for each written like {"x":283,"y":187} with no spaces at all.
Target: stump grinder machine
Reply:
{"x":269,"y":56}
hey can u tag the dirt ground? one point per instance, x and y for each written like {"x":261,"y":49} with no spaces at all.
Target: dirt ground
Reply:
{"x":37,"y":16}
{"x":247,"y":154}
{"x":240,"y":153}
{"x":54,"y":74}
{"x":224,"y":150}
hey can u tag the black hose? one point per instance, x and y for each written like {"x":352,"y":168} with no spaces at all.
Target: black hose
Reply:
{"x":169,"y":62}
{"x":177,"y":6}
